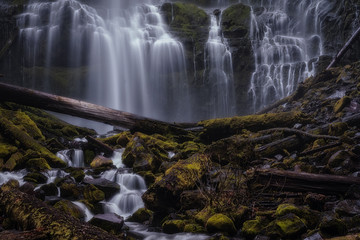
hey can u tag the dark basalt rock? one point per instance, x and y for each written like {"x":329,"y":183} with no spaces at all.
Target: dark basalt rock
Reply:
{"x":110,"y":222}
{"x":108,"y":187}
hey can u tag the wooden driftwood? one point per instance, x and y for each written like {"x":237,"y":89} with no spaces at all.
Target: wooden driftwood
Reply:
{"x":305,"y":182}
{"x":30,"y":213}
{"x":80,"y":109}
{"x":346,"y":47}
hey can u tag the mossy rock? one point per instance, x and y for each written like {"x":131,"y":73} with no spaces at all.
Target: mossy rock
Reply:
{"x":89,"y":155}
{"x":235,"y":21}
{"x":338,"y":158}
{"x":101,"y":161}
{"x":194,"y":228}
{"x":173,"y":226}
{"x":50,"y":189}
{"x":182,"y":176}
{"x":35,"y":177}
{"x":110,"y":222}
{"x":22,"y":121}
{"x":338,"y":129}
{"x":121,"y":139}
{"x":331,"y":226}
{"x":69,"y":190}
{"x":15,"y":162}
{"x":220,"y":223}
{"x":148,"y":176}
{"x":341,"y":104}
{"x":203,"y":216}
{"x":287,"y":226}
{"x":251,"y":228}
{"x":141,"y":215}
{"x":76,"y":173}
{"x":6,"y":150}
{"x":240,"y":215}
{"x":308,"y":216}
{"x":70,"y":208}
{"x":93,"y":194}
{"x":37,"y":163}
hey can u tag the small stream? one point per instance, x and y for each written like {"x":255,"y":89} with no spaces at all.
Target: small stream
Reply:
{"x":124,"y":203}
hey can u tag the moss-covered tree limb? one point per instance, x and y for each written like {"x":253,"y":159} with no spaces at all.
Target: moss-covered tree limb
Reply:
{"x":31,"y":213}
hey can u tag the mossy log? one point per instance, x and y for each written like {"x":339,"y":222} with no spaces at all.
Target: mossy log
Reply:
{"x":305,"y":182}
{"x":103,"y":147}
{"x":81,"y":109}
{"x":216,"y":129}
{"x":31,"y":213}
{"x":345,"y":48}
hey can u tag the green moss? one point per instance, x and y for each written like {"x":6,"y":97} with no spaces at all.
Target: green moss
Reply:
{"x":220,"y":128}
{"x":121,"y":139}
{"x":141,"y":215}
{"x":35,"y":177}
{"x":70,"y":208}
{"x":69,"y":190}
{"x":16,"y":134}
{"x":203,"y":216}
{"x":343,"y":102}
{"x":309,"y":217}
{"x":6,"y":150}
{"x":220,"y":223}
{"x":251,"y":228}
{"x":194,"y":228}
{"x":235,"y":21}
{"x":89,"y":155}
{"x":290,"y":226}
{"x":37,"y":163}
{"x":173,"y":226}
{"x":15,"y":162}
{"x":93,"y":194}
{"x":76,"y":173}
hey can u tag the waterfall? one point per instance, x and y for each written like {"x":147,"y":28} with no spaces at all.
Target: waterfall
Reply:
{"x":218,"y":61}
{"x":129,"y":60}
{"x":286,"y":39}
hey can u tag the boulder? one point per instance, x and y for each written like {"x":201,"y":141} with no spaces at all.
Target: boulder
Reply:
{"x":108,"y":187}
{"x":101,"y":161}
{"x":110,"y":222}
{"x":173,"y":226}
{"x":141,"y":215}
{"x":50,"y":189}
{"x":93,"y":194}
{"x":165,"y":193}
{"x":220,"y":223}
{"x":70,"y":208}
{"x":35,"y":177}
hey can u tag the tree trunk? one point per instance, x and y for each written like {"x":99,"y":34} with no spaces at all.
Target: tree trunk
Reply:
{"x":346,"y":47}
{"x":78,"y":108}
{"x":31,"y":213}
{"x":305,"y":182}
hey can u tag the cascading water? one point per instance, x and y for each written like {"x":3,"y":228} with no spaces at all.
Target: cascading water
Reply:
{"x":219,"y":72}
{"x":133,"y":63}
{"x":286,"y":38}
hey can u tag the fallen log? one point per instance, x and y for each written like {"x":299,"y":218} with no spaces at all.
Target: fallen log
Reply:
{"x":30,"y":213}
{"x":305,"y":182}
{"x":345,"y":48}
{"x":80,"y":109}
{"x":100,"y":145}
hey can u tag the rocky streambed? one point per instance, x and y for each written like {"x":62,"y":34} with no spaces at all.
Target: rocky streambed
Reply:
{"x":289,"y":173}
